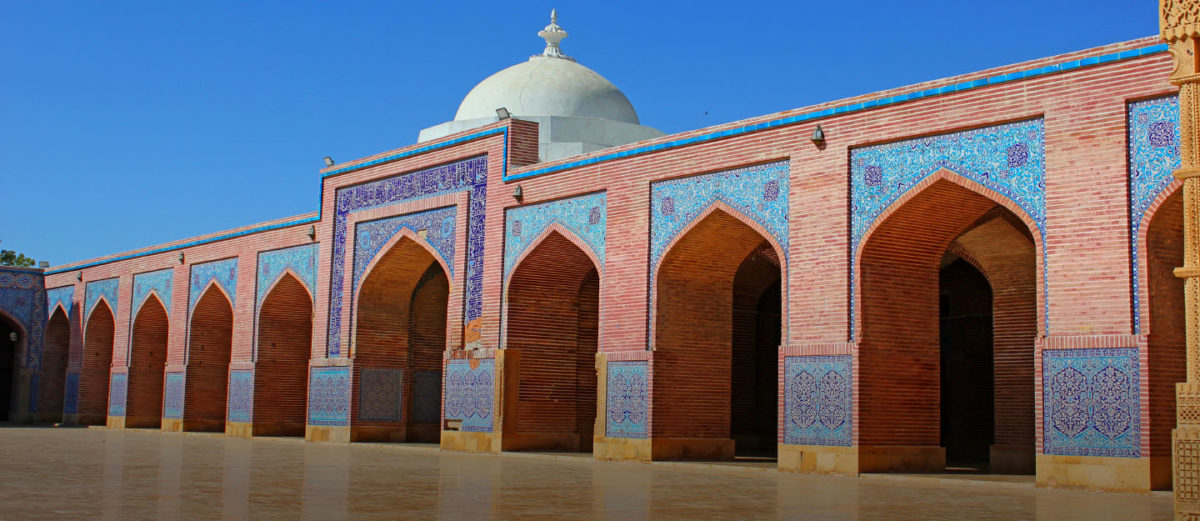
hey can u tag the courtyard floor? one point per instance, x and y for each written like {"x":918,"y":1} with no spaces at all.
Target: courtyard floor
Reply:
{"x":73,"y":473}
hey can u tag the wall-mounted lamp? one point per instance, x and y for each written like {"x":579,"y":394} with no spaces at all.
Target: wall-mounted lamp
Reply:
{"x":181,"y":257}
{"x":12,"y":336}
{"x":818,"y":137}
{"x":518,"y":194}
{"x":79,"y":276}
{"x":502,"y":113}
{"x":312,"y":233}
{"x":328,"y":161}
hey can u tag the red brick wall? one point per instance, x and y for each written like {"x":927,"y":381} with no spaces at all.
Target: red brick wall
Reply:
{"x":148,"y":360}
{"x":693,"y":327}
{"x":52,"y":378}
{"x":1167,"y":350}
{"x":209,"y":350}
{"x":97,"y":361}
{"x":281,"y":371}
{"x":551,"y":321}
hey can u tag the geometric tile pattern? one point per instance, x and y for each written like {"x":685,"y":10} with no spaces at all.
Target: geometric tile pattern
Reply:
{"x":370,"y":236}
{"x":470,"y":393}
{"x":427,"y":397}
{"x":160,"y":282}
{"x":759,"y":192}
{"x":23,"y":298}
{"x":468,"y":174}
{"x":626,"y":397}
{"x":1153,"y":158}
{"x":379,"y":394}
{"x":71,"y":392}
{"x":100,"y":288}
{"x":241,"y":395}
{"x":818,"y":398}
{"x":585,"y":216}
{"x":1091,"y":405}
{"x":116,"y":394}
{"x":1009,"y":159}
{"x":301,"y":260}
{"x":64,"y":296}
{"x":173,"y":396}
{"x":329,"y":396}
{"x":224,"y":272}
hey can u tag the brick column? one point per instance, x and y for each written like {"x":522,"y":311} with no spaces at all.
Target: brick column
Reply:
{"x":1180,"y":21}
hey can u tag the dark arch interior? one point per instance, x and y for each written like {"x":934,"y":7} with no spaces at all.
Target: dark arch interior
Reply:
{"x":97,"y":364}
{"x":965,"y":310}
{"x":281,"y":370}
{"x":52,"y":376}
{"x":756,"y":330}
{"x":147,"y":362}
{"x":1167,"y":352}
{"x":210,"y":343}
{"x":8,"y":355}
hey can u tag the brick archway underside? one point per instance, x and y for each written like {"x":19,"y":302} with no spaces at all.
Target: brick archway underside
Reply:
{"x":147,"y":361}
{"x":52,"y":376}
{"x":399,"y":338}
{"x":553,"y":319}
{"x":281,"y":369}
{"x":210,"y":346}
{"x":900,"y":352}
{"x":97,"y":363}
{"x":1167,"y":354}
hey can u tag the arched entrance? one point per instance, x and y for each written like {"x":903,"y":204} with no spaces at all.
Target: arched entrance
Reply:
{"x":8,"y":363}
{"x":52,"y":376}
{"x":1167,"y":354}
{"x":949,"y":283}
{"x":281,"y":369}
{"x":551,"y":341}
{"x":210,"y":341}
{"x":147,"y":361}
{"x":399,"y":337}
{"x":717,"y":328}
{"x":97,"y":364}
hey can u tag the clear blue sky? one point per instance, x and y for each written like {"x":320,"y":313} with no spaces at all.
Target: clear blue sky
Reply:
{"x":127,"y":124}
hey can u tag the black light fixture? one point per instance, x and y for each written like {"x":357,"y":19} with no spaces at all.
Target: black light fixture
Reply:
{"x":312,"y":232}
{"x":818,"y":137}
{"x":79,"y":276}
{"x":328,"y":161}
{"x":502,"y":113}
{"x":181,"y":257}
{"x":12,"y":336}
{"x":519,"y":194}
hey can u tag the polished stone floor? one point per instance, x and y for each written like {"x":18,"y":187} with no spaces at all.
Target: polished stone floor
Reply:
{"x":59,"y":473}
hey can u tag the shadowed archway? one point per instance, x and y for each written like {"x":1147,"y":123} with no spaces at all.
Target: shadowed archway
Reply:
{"x":52,"y":376}
{"x":281,"y":369}
{"x":1167,"y":352}
{"x":147,"y":362}
{"x":97,"y":364}
{"x":210,"y":345}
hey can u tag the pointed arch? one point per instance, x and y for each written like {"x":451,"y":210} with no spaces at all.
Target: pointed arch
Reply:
{"x":52,"y":375}
{"x":9,"y":353}
{"x":1163,"y":321}
{"x":398,"y":335}
{"x":288,"y":271}
{"x":910,"y":294}
{"x":707,"y":272}
{"x":555,"y":227}
{"x":283,"y":347}
{"x":148,"y":340}
{"x":551,"y":339}
{"x":209,"y":351}
{"x":97,"y":364}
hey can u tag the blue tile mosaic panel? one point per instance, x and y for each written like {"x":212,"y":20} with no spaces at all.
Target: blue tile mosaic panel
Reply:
{"x":95,"y":290}
{"x":159,"y":282}
{"x":64,"y":296}
{"x":1153,"y":159}
{"x":370,"y":236}
{"x":759,"y":192}
{"x":585,"y":216}
{"x":427,"y":397}
{"x":71,"y":394}
{"x":329,"y":396}
{"x":471,"y":394}
{"x":224,"y":272}
{"x":380,"y":397}
{"x":1009,"y":159}
{"x":627,"y":406}
{"x":301,"y":260}
{"x":818,"y":400}
{"x":173,"y":396}
{"x":117,"y":387}
{"x":466,"y":175}
{"x":1091,"y":402}
{"x":241,"y":396}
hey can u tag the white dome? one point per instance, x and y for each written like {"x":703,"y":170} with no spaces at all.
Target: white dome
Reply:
{"x":548,"y":86}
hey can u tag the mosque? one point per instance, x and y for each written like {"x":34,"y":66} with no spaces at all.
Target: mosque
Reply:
{"x":972,"y":273}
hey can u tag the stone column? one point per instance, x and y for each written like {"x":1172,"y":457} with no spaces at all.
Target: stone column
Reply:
{"x":1180,"y":22}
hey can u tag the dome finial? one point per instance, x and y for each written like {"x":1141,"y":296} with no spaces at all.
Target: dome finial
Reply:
{"x":553,"y":34}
